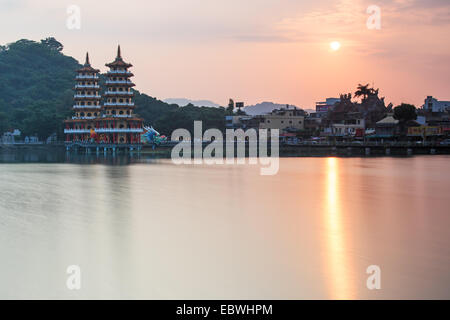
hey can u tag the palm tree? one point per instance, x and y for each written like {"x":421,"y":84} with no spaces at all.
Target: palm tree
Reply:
{"x":363,"y":90}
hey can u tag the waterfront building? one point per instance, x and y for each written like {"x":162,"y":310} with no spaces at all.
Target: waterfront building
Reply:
{"x":285,"y":119}
{"x":346,"y":125}
{"x":313,"y":123}
{"x":114,"y":122}
{"x":241,"y":122}
{"x":326,"y":105}
{"x":425,"y":131}
{"x":387,"y":127}
{"x":7,"y":138}
{"x":433,"y":105}
{"x":289,"y":119}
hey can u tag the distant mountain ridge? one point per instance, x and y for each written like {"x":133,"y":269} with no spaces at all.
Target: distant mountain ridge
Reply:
{"x":198,"y":103}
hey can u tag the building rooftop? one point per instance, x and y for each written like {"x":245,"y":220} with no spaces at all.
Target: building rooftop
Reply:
{"x":388,"y":120}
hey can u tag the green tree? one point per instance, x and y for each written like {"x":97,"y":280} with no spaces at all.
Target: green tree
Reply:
{"x":405,"y":112}
{"x":52,"y":43}
{"x":230,"y":110}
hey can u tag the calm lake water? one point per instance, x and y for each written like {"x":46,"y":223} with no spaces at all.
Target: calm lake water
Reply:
{"x":150,"y":229}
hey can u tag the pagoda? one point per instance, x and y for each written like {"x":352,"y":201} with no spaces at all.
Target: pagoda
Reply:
{"x":119,"y":124}
{"x":114,"y":123}
{"x":87,"y":104}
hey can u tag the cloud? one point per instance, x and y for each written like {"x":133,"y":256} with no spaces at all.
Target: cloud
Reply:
{"x":347,"y":19}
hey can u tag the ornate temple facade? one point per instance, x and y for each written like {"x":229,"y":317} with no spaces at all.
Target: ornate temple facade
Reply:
{"x":114,"y":122}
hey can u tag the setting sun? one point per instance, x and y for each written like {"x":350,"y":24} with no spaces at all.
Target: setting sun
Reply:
{"x":335,"y":45}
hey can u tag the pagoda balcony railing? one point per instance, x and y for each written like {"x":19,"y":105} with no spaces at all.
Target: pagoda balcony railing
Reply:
{"x":126,"y":93}
{"x":86,"y":107}
{"x":77,"y":130}
{"x":83,"y":118}
{"x":105,"y":130}
{"x":119,"y":130}
{"x":87,"y":77}
{"x":118,"y":82}
{"x":87,"y":86}
{"x":118,"y":104}
{"x":119,"y":71}
{"x":86,"y":96}
{"x":117,"y":116}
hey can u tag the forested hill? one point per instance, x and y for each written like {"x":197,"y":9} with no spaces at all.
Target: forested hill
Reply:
{"x":36,"y":93}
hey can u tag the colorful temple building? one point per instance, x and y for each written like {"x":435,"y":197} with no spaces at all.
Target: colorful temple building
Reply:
{"x":114,"y":122}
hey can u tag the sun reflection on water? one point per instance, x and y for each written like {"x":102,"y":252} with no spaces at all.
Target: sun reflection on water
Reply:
{"x":337,"y":264}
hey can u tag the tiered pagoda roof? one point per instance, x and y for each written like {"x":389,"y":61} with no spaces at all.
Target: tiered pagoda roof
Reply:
{"x":119,"y":63}
{"x":87,"y":66}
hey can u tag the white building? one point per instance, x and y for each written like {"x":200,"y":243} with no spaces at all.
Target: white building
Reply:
{"x":348,"y":127}
{"x":434,"y":105}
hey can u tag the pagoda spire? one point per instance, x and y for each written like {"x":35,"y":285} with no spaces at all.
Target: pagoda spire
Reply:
{"x":87,"y":63}
{"x":119,"y":56}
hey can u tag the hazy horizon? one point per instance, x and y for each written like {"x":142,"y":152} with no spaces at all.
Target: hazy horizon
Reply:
{"x":260,"y":50}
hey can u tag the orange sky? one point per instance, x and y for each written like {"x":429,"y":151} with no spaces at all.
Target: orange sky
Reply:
{"x":254,"y":50}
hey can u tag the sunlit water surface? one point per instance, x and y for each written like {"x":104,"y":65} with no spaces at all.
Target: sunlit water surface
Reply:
{"x":154,"y":230}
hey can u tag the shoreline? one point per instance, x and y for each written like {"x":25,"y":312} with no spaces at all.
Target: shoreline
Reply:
{"x":285,"y":151}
